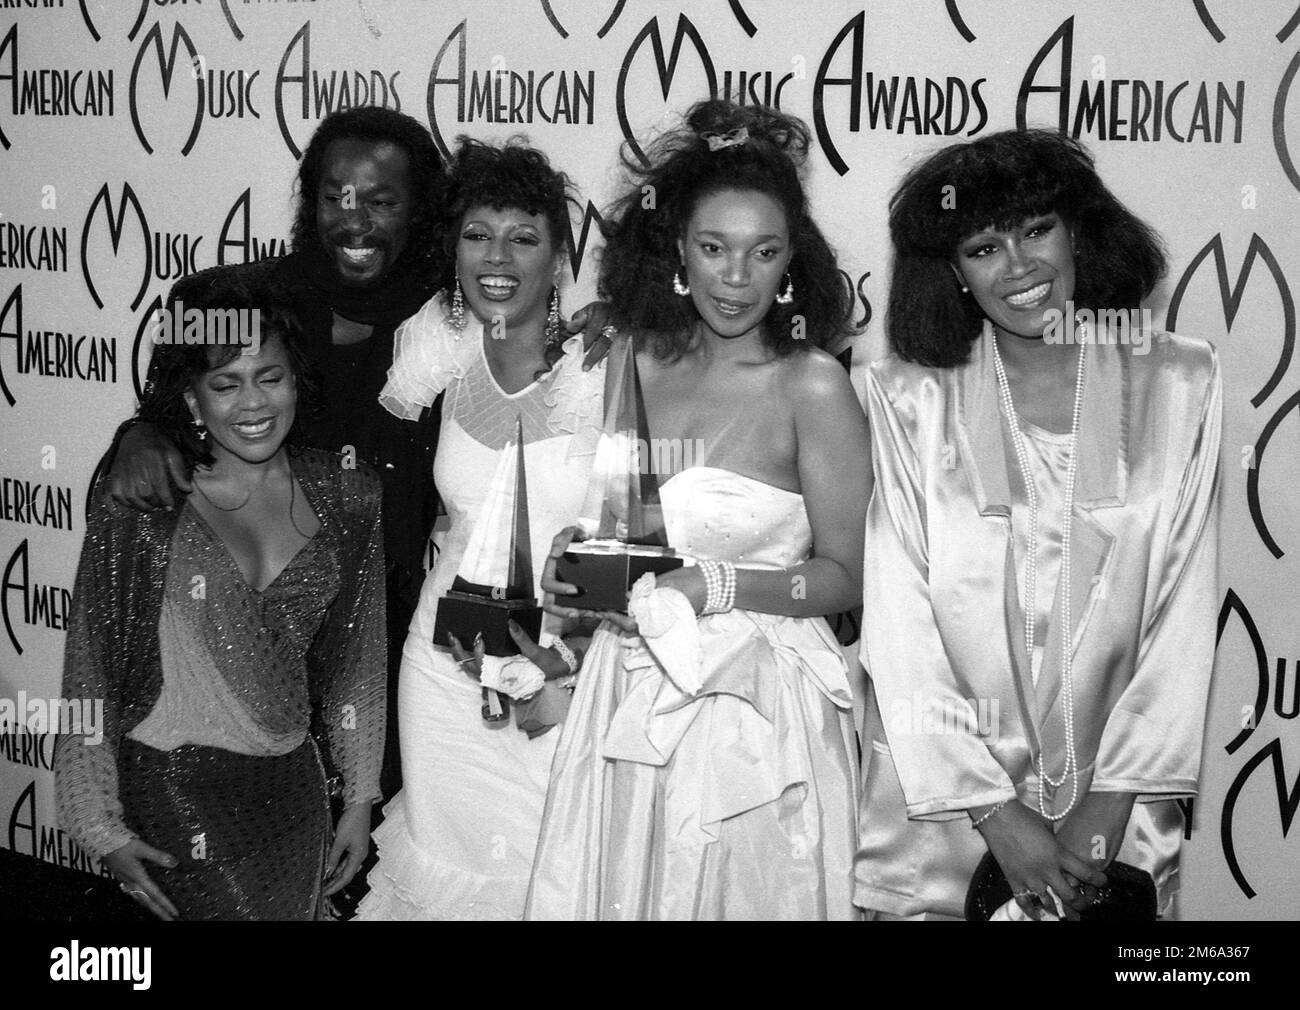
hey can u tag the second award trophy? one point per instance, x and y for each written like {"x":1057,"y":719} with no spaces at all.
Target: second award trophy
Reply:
{"x":623,"y":510}
{"x":495,"y":582}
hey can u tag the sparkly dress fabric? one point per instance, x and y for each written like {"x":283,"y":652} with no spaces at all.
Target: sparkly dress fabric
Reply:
{"x":457,"y":842}
{"x":209,"y":689}
{"x":724,"y":791}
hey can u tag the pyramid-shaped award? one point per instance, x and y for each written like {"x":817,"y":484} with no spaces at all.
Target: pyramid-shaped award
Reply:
{"x":495,"y":581}
{"x":622,"y":510}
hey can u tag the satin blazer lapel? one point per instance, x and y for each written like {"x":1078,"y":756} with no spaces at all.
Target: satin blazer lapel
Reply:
{"x":1101,"y":482}
{"x":982,"y":445}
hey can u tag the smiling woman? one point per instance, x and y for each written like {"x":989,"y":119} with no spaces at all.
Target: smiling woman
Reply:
{"x":457,"y":842}
{"x":708,"y":768}
{"x":217,"y":633}
{"x":1059,"y":491}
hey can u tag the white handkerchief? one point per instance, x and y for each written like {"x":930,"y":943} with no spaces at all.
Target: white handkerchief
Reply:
{"x":512,"y":675}
{"x":670,"y":629}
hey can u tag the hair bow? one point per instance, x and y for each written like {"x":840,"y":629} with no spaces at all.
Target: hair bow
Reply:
{"x":732,"y":138}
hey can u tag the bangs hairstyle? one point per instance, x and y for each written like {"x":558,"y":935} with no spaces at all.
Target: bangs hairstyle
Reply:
{"x":428,"y":178}
{"x":510,"y":176}
{"x":175,"y":367}
{"x":998,"y":182}
{"x":641,"y":229}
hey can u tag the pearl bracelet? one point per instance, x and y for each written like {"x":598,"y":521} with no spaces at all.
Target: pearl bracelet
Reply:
{"x":720,"y":586}
{"x":987,"y":814}
{"x":568,"y":655}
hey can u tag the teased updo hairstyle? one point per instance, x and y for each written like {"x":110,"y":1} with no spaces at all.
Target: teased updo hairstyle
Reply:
{"x":642,"y":228}
{"x":428,"y":180}
{"x":176,"y":367}
{"x":510,"y":176}
{"x":997,"y":182}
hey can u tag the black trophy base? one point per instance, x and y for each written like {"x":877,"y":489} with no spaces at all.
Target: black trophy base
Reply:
{"x":466,"y":615}
{"x":606,"y":570}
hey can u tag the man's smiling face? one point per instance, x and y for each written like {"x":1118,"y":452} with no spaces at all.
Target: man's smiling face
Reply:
{"x":364,"y":208}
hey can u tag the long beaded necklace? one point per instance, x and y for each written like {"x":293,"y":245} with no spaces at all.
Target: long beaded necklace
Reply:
{"x":1071,"y":769}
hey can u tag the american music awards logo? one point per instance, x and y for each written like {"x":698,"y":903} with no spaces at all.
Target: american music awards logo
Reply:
{"x":26,"y":602}
{"x":1231,"y":293}
{"x":846,"y":93}
{"x":467,"y":90}
{"x":119,"y":12}
{"x":660,"y":76}
{"x":313,"y":93}
{"x":48,"y":91}
{"x":29,"y":352}
{"x":136,"y":251}
{"x":1272,"y":760}
{"x":1084,"y":101}
{"x":183,"y":74}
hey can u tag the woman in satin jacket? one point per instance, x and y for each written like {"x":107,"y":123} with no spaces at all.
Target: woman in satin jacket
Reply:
{"x":1044,"y":461}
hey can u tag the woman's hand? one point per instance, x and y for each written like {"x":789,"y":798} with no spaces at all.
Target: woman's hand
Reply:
{"x":549,"y":661}
{"x":542,"y":711}
{"x":127,"y":863}
{"x":555,"y":589}
{"x":1033,"y":860}
{"x":350,"y":848}
{"x":689,"y":581}
{"x":592,"y":321}
{"x":145,"y":468}
{"x":1094,"y":830}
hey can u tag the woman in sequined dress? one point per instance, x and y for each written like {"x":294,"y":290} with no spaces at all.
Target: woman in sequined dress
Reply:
{"x":708,"y":768}
{"x":457,"y":842}
{"x":214,"y":633}
{"x":1040,"y":597}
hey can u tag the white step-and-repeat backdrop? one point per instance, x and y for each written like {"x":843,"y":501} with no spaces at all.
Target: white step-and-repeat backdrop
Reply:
{"x":144,"y":139}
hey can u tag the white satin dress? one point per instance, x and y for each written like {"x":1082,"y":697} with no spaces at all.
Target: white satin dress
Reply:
{"x":726,"y":793}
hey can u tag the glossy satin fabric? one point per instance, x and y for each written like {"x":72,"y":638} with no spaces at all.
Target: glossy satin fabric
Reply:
{"x":944,"y":630}
{"x":732,"y":801}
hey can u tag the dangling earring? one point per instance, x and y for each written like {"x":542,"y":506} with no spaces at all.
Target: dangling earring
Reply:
{"x":680,"y":287}
{"x":458,"y":306}
{"x":965,"y":290}
{"x":553,"y":332}
{"x":786,"y":296}
{"x":200,"y":429}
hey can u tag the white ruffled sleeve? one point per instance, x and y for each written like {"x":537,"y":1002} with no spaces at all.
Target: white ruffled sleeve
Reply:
{"x":428,"y":354}
{"x":577,"y":400}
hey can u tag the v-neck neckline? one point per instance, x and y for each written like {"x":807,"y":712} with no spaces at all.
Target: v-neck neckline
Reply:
{"x":230,"y":557}
{"x":487,"y":364}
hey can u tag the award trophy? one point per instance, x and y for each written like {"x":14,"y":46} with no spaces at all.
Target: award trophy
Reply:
{"x":495,"y":582}
{"x":622,"y":507}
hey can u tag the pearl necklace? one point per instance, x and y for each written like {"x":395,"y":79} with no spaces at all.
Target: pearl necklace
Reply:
{"x":1071,"y":769}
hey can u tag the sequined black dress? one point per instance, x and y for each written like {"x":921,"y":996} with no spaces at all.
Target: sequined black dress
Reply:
{"x":209,"y":688}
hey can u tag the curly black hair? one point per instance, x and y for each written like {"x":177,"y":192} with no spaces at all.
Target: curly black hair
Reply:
{"x":176,"y":366}
{"x":997,"y":182}
{"x":428,"y":177}
{"x":512,"y":175}
{"x":642,"y":228}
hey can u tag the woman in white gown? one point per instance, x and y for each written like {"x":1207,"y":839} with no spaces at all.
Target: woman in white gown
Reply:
{"x":457,"y":842}
{"x":707,"y":769}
